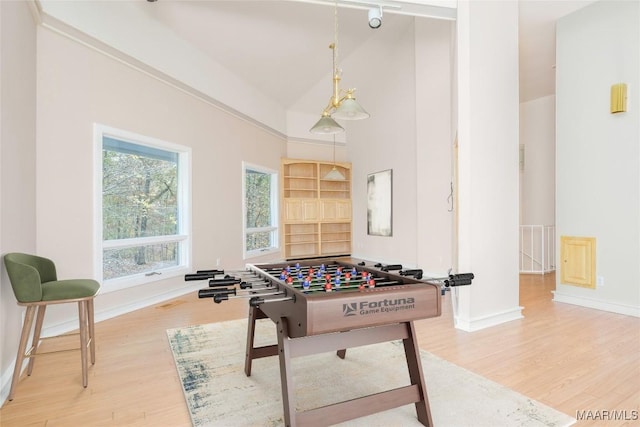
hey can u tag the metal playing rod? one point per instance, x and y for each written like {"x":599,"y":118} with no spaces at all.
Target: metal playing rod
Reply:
{"x":223,"y":297}
{"x":260,"y":285}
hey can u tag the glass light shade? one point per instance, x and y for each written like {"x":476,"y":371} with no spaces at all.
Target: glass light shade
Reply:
{"x":349,"y":109}
{"x":327,"y":126}
{"x":335,"y":175}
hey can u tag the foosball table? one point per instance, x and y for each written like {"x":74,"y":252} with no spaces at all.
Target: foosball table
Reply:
{"x":331,"y":305}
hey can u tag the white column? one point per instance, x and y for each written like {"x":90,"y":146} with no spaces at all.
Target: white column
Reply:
{"x":487,"y":66}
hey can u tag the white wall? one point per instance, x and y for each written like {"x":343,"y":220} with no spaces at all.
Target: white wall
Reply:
{"x":77,"y":87}
{"x":487,"y":64}
{"x":537,"y":180}
{"x":598,"y":153}
{"x":387,"y":140}
{"x":131,"y":28}
{"x":408,"y":96}
{"x":434,"y":145}
{"x":317,"y":151}
{"x":17,"y":164}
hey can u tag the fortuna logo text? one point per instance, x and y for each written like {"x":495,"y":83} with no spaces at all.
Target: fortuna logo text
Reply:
{"x":381,"y":306}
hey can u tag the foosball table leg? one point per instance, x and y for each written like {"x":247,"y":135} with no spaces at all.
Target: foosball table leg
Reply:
{"x":251,"y":330}
{"x":286,"y":374}
{"x":253,"y":353}
{"x":342,"y":353}
{"x":412,"y":354}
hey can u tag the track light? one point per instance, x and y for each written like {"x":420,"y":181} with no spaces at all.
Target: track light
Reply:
{"x":375,"y":17}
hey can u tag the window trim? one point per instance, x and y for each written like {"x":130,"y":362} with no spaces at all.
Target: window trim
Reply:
{"x":184,"y":203}
{"x":275,"y":216}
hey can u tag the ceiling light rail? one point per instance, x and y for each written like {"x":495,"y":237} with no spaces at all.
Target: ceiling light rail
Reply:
{"x":357,"y":4}
{"x":436,"y":9}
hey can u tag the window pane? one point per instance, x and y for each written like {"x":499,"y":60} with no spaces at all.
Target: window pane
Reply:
{"x":143,"y":208}
{"x":258,"y":193}
{"x":259,"y":240}
{"x":139,"y":259}
{"x":140,"y":193}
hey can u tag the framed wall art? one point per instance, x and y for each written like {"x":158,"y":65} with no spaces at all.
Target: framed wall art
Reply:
{"x":379,"y":203}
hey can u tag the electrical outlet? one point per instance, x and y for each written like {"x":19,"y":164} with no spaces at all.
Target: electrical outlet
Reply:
{"x":599,"y":281}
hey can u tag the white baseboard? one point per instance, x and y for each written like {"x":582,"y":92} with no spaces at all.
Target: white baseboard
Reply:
{"x":478,"y":323}
{"x":6,"y":382}
{"x":612,"y":307}
{"x":155,"y":299}
{"x":112,"y":312}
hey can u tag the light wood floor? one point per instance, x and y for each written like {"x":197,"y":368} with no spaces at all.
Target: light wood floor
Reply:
{"x":568,"y":357}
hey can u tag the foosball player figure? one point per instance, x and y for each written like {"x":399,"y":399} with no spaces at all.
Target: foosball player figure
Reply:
{"x":363,"y":283}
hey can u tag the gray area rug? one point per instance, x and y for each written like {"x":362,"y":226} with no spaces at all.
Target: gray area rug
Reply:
{"x":210,"y":362}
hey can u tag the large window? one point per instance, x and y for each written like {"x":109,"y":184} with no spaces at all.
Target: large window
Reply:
{"x":260,"y":189}
{"x":143,"y":207}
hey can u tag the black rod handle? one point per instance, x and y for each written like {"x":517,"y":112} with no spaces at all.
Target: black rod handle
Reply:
{"x":209,"y":293}
{"x":465,"y":276}
{"x":457,"y":282}
{"x":249,"y":285}
{"x":223,"y":282}
{"x":415,"y":272}
{"x":256,"y":301}
{"x":220,"y":297}
{"x":392,"y":267}
{"x":198,"y":276}
{"x":216,"y":271}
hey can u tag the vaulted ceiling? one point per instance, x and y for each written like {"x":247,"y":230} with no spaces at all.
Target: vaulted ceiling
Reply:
{"x":281,"y":47}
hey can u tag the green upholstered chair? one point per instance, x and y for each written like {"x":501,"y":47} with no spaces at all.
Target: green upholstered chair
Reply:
{"x":36,"y":285}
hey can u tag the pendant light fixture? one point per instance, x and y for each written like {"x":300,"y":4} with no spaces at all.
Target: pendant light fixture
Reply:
{"x":334,"y":174}
{"x":342,"y":104}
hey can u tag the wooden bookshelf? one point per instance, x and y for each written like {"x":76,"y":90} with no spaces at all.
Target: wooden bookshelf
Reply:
{"x":316,"y":212}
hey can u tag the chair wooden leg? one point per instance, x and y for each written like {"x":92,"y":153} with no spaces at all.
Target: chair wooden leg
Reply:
{"x":24,"y":337}
{"x":36,"y":338}
{"x":82,"y":314}
{"x":92,"y":338}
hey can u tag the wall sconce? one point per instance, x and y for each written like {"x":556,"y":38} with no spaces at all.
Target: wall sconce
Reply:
{"x":618,"y":98}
